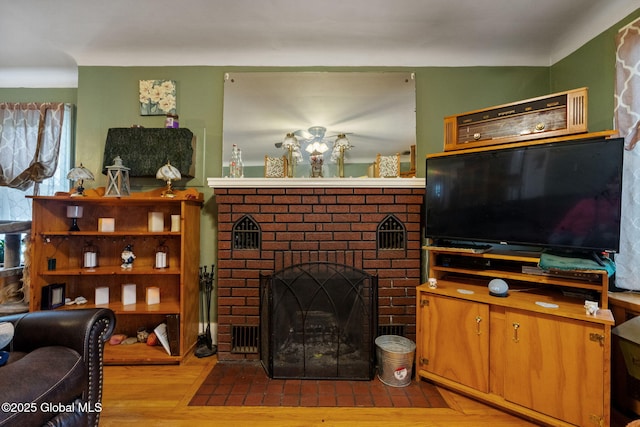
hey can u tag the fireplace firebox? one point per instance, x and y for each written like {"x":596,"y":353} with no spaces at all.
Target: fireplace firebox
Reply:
{"x":318,"y":321}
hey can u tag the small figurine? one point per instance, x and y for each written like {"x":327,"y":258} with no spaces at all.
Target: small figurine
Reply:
{"x":142,"y":334}
{"x":127,"y":257}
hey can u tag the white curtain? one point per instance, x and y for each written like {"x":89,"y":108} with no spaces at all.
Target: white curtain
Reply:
{"x":29,"y":142}
{"x":54,"y":160}
{"x":627,"y":122}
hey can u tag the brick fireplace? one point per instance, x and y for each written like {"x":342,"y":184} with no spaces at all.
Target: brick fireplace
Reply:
{"x":265,"y":225}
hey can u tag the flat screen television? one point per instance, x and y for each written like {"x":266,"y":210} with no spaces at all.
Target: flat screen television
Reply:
{"x":561,"y":196}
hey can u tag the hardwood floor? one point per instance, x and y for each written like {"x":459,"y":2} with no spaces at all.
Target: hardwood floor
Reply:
{"x":159,"y":396}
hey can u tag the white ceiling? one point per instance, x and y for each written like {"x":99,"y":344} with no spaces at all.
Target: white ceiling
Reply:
{"x":43,"y":41}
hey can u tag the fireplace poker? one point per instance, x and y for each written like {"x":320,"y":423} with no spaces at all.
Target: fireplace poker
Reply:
{"x":206,"y":347}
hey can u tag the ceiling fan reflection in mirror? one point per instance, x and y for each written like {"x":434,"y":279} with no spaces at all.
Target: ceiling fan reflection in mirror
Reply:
{"x":315,"y":135}
{"x":317,"y":143}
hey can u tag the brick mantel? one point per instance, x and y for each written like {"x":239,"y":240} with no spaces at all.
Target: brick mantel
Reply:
{"x":306,"y":220}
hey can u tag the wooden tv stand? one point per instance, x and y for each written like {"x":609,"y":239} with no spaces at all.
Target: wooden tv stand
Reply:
{"x":535,"y":353}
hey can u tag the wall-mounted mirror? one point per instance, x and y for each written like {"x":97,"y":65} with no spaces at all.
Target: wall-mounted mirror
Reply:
{"x":375,"y":110}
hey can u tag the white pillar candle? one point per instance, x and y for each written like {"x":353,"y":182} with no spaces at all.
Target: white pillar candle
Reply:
{"x":175,"y":223}
{"x":161,"y":259}
{"x":156,"y":222}
{"x":90,"y":259}
{"x":107,"y":224}
{"x":153,"y":295}
{"x":102,"y":295}
{"x":128,"y":293}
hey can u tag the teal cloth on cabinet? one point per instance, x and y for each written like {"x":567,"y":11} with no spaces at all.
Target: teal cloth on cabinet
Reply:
{"x":555,"y":262}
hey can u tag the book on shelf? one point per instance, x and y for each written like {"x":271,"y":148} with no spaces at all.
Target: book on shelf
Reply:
{"x":161,"y":333}
{"x":168,"y":334}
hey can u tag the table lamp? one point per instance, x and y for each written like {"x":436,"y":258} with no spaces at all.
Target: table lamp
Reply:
{"x":79,"y":174}
{"x":74,"y":212}
{"x":168,"y":173}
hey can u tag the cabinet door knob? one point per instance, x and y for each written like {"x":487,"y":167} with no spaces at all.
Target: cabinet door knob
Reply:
{"x":597,"y":338}
{"x":478,"y":320}
{"x":516,"y":326}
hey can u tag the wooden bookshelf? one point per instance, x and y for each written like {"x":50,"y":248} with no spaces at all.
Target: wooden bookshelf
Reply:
{"x":178,"y":282}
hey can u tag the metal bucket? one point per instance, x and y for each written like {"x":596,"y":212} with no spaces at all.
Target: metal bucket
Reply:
{"x":395,"y":359}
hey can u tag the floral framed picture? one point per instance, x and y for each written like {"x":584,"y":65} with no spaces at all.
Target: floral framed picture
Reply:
{"x":157,"y":97}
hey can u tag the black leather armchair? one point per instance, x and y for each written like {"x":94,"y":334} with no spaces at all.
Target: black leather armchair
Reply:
{"x":54,"y":372}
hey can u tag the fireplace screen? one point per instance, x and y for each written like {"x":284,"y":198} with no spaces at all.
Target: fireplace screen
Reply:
{"x":318,"y":321}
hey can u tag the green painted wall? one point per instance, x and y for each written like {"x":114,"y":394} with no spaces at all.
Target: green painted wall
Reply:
{"x":593,"y":66}
{"x":68,"y":95}
{"x":443,"y":91}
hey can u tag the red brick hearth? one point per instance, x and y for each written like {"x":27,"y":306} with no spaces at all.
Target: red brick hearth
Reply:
{"x":295,"y":225}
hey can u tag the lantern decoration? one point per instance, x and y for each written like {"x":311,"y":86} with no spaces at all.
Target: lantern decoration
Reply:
{"x":162,"y":256}
{"x":117,"y":179}
{"x":89,"y":256}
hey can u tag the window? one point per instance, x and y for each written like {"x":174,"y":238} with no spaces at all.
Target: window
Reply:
{"x":14,"y":205}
